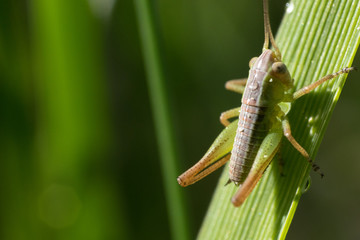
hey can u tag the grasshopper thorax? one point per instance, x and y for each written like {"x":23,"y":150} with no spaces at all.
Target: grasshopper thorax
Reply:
{"x":268,"y":81}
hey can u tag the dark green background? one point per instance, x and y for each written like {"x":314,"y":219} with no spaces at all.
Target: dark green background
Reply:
{"x":78,"y":151}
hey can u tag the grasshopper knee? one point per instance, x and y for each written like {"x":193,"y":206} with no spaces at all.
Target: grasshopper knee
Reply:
{"x":224,"y":119}
{"x":225,"y":116}
{"x":181,"y":182}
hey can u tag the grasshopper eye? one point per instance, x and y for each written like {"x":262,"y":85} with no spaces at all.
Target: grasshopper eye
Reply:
{"x":280,"y":71}
{"x":279,"y":68}
{"x":252,"y":61}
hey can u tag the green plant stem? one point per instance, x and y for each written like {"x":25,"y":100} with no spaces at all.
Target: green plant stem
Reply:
{"x":155,"y":78}
{"x":315,"y":38}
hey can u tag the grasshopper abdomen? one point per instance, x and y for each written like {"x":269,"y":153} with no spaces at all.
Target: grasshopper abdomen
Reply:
{"x":250,"y":133}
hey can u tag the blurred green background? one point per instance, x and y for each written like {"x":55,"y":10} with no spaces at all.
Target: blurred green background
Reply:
{"x":79,"y":158}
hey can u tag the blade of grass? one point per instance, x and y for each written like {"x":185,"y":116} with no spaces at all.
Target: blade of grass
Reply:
{"x":73,"y":134}
{"x":315,"y":38}
{"x":160,"y":109}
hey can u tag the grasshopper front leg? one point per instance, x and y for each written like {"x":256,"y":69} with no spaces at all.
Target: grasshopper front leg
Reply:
{"x":238,"y":86}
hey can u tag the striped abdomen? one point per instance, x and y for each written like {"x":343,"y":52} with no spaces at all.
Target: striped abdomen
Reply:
{"x":251,"y":131}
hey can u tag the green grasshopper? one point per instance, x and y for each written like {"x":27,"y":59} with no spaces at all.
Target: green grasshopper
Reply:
{"x":252,"y":141}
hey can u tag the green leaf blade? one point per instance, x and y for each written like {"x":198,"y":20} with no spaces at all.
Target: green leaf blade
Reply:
{"x":316,"y":38}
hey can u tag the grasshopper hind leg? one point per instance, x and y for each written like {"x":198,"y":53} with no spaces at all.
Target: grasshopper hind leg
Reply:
{"x":217,"y":155}
{"x":266,"y":153}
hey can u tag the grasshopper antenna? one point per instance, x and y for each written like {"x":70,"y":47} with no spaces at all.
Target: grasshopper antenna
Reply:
{"x":268,"y":32}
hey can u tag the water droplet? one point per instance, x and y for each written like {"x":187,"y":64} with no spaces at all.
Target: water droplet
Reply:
{"x":265,"y":156}
{"x":312,"y":131}
{"x":306,"y":186}
{"x":337,"y":94}
{"x":271,"y":80}
{"x":283,"y":219}
{"x":311,"y":120}
{"x":289,"y":7}
{"x":250,"y":101}
{"x":254,"y":85}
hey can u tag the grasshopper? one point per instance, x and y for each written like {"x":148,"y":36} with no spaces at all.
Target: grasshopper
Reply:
{"x":252,"y":141}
